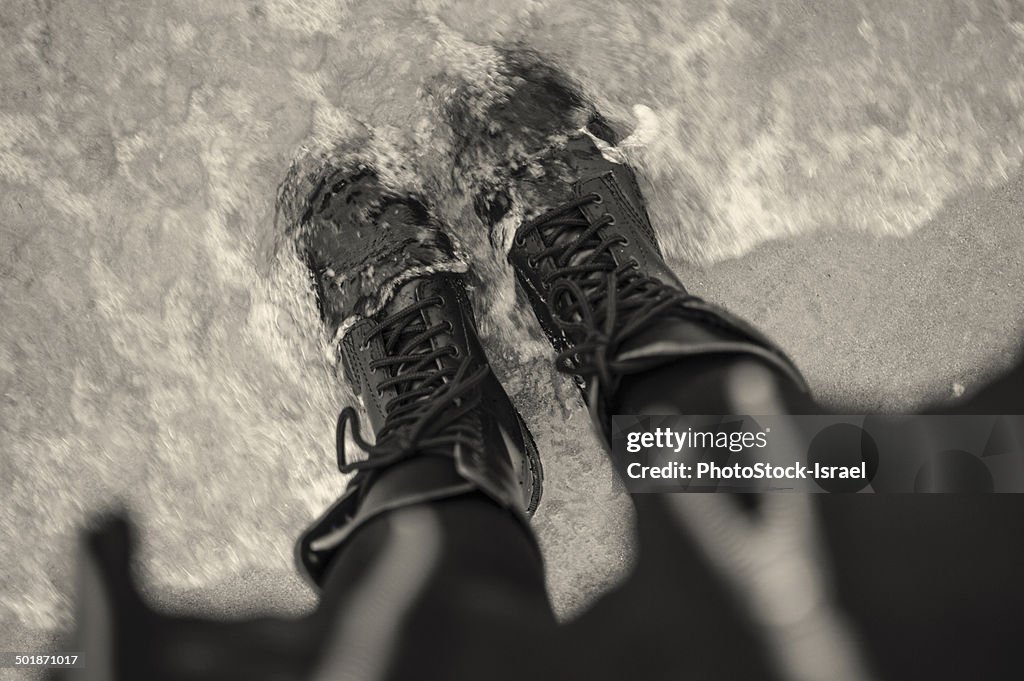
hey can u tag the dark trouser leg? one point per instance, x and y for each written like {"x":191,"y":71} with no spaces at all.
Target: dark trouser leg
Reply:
{"x":448,"y":589}
{"x":712,"y":384}
{"x":673,"y":617}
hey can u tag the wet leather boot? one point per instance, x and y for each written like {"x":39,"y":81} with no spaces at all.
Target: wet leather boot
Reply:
{"x":567,"y":206}
{"x":389,"y":286}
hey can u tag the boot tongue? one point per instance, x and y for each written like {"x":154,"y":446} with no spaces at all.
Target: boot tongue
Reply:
{"x":571,"y":165}
{"x":404,"y":296}
{"x":576,"y":162}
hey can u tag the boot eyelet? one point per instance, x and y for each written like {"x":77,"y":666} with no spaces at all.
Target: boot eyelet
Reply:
{"x":596,"y":198}
{"x":520,"y":241}
{"x":454,"y":351}
{"x":625,"y":241}
{"x":449,"y":326}
{"x":532,"y":261}
{"x":380,"y":393}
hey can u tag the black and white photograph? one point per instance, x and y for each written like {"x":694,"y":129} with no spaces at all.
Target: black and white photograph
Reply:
{"x":469,"y":340}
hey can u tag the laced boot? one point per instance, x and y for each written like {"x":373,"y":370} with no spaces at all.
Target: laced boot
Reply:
{"x":389,"y":287}
{"x":583,"y":248}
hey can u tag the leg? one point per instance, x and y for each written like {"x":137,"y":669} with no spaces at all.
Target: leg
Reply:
{"x":716,"y":384}
{"x":636,"y":341}
{"x":427,"y":563}
{"x":449,"y":590}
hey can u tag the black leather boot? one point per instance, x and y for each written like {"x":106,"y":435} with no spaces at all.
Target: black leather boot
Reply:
{"x":389,"y":287}
{"x":586,"y":255}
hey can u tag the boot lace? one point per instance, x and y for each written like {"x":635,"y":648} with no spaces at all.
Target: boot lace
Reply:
{"x":432,"y":410}
{"x":597,"y":303}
